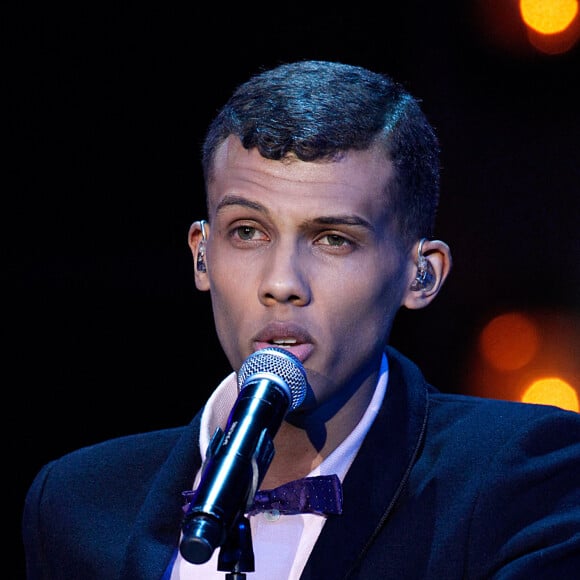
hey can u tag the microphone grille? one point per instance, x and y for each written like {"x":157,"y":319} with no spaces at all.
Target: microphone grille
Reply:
{"x":282,"y":364}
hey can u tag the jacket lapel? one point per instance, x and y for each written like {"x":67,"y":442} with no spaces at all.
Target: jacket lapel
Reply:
{"x":158,"y":524}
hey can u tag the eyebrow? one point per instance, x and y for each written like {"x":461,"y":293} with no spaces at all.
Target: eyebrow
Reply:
{"x":348,"y":220}
{"x":229,"y":200}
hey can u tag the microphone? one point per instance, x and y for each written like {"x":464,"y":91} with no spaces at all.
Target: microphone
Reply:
{"x":271,"y":382}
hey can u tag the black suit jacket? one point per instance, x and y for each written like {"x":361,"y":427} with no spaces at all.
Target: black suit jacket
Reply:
{"x":444,"y":487}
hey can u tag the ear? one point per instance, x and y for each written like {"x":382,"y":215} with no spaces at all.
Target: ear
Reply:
{"x":438,"y":255}
{"x":197,"y":240}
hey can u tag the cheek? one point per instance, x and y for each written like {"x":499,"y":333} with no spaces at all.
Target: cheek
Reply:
{"x":373,"y":305}
{"x":228,"y":299}
{"x":371,"y":302}
{"x":226,"y":323}
{"x":232,"y":297}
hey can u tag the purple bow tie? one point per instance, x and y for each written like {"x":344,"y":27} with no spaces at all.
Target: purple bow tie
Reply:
{"x":320,"y":495}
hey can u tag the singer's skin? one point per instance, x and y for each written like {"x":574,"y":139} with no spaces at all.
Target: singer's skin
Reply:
{"x":322,"y":186}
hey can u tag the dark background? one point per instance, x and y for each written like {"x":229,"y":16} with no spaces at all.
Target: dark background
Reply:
{"x":105,"y":333}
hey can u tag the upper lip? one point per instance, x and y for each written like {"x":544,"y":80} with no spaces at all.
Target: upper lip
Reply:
{"x":283,"y":330}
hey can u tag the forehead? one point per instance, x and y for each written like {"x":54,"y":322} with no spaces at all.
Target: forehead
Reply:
{"x":357,"y":182}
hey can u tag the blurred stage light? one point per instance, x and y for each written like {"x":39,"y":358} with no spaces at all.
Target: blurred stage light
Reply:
{"x":553,"y":26}
{"x":552,"y":391}
{"x":527,"y":356}
{"x":525,"y":27}
{"x":509,"y":341}
{"x":548,"y":16}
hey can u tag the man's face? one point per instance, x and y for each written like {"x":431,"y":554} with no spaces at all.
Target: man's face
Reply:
{"x":305,"y":256}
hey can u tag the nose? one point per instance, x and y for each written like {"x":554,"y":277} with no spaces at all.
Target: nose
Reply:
{"x":284,"y":276}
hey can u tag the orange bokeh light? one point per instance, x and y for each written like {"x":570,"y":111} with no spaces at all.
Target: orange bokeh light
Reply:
{"x":509,"y":341}
{"x":552,"y":391}
{"x":548,"y":16}
{"x":527,"y":356}
{"x":553,"y":26}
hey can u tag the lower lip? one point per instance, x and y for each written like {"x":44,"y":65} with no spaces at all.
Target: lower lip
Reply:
{"x":300,"y":351}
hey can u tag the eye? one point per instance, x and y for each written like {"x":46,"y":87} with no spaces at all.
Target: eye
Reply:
{"x":333,"y":240}
{"x":245,"y":232}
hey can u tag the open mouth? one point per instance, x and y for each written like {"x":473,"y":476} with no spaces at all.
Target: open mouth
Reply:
{"x":284,"y":342}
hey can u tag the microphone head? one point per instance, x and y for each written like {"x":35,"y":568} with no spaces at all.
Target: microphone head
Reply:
{"x":281,"y":364}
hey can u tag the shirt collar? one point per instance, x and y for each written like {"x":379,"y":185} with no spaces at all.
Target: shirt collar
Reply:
{"x":223,"y":398}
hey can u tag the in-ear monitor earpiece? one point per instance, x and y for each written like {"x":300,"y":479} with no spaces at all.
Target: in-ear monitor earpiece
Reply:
{"x":425,"y":277}
{"x":200,"y":261}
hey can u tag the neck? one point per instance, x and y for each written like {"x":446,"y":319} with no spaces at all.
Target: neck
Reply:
{"x":300,"y":449}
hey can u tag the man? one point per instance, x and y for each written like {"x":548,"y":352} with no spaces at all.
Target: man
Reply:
{"x":322,"y":183}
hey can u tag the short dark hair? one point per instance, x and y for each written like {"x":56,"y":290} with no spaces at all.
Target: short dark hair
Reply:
{"x":318,"y":110}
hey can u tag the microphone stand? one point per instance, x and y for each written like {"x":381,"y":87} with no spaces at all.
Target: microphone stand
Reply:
{"x":237,"y":553}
